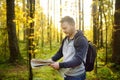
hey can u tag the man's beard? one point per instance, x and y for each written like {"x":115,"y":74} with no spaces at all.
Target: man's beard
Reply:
{"x":67,"y":34}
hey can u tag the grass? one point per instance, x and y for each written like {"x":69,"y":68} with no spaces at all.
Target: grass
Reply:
{"x":104,"y":73}
{"x":46,"y":73}
{"x":16,"y":72}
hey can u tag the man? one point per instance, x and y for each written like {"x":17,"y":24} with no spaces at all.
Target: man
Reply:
{"x":72,"y":56}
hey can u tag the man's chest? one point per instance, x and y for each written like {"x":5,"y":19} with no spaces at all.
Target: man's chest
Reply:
{"x":68,"y":50}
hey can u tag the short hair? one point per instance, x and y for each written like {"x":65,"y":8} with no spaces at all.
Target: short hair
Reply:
{"x":68,"y":19}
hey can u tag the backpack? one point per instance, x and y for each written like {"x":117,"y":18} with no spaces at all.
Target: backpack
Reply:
{"x":90,"y":57}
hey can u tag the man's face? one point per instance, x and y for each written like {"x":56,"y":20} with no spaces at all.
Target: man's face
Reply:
{"x":67,"y":28}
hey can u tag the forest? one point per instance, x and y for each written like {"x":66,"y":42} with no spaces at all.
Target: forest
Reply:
{"x":30,"y":29}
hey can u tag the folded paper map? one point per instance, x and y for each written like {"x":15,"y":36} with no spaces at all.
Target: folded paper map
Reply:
{"x":38,"y":63}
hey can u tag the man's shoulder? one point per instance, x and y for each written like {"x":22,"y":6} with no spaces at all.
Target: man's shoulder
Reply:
{"x":80,"y":40}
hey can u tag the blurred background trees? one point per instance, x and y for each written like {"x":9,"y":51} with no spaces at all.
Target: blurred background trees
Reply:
{"x":31,"y":29}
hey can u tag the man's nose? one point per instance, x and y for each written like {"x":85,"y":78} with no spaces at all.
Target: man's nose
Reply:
{"x":64,"y":31}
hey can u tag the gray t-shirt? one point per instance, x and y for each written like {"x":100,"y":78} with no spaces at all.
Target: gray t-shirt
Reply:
{"x":68,"y":53}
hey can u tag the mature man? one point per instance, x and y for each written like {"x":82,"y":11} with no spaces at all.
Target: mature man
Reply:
{"x":73,"y":53}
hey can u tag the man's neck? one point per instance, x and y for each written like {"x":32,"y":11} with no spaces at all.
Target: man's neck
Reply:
{"x":72,"y":35}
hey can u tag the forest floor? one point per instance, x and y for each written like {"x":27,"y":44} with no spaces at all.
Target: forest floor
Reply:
{"x":20,"y":71}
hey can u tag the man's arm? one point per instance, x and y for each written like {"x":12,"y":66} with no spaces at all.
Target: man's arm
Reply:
{"x":59,"y":54}
{"x":82,"y":47}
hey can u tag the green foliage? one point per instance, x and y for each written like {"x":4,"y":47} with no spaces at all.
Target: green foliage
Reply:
{"x":108,"y":72}
{"x":101,"y":54}
{"x":90,"y":32}
{"x":43,"y":34}
{"x":46,"y":73}
{"x":105,"y":73}
{"x":17,"y":72}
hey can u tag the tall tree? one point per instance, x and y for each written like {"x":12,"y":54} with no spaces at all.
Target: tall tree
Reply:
{"x":83,"y":15}
{"x":79,"y":12}
{"x":24,"y":15}
{"x":95,"y":26}
{"x":49,"y":26}
{"x":11,"y":28}
{"x":106,"y":35}
{"x":31,"y":36}
{"x":42,"y":29}
{"x":95,"y":22}
{"x":54,"y":35}
{"x":101,"y":23}
{"x":116,"y":34}
{"x":61,"y":17}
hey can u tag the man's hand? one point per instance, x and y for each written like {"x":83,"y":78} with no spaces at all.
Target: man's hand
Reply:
{"x":55,"y":65}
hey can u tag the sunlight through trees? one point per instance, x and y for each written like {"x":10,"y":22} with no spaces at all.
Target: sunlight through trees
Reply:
{"x":31,"y":29}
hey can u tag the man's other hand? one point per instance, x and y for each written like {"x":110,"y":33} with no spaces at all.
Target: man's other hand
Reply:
{"x":55,"y":65}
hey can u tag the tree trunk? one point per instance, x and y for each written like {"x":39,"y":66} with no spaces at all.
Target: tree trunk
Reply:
{"x":49,"y":25}
{"x":101,"y":23}
{"x":24,"y":15}
{"x":31,"y":36}
{"x":95,"y":26}
{"x":106,"y":36}
{"x":54,"y":33}
{"x":50,"y":33}
{"x":79,"y":10}
{"x":60,"y":18}
{"x":95,"y":23}
{"x":42,"y":30}
{"x":116,"y":34}
{"x":57,"y":35}
{"x":82,"y":15}
{"x":11,"y":28}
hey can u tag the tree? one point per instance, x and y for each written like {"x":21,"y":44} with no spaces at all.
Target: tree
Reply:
{"x":24,"y":15}
{"x":116,"y":34}
{"x":31,"y":36}
{"x":42,"y":30}
{"x":95,"y":22}
{"x":82,"y":15}
{"x":79,"y":11}
{"x":95,"y":26}
{"x":101,"y":23}
{"x":54,"y":35}
{"x":11,"y":28}
{"x":49,"y":26}
{"x":60,"y":18}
